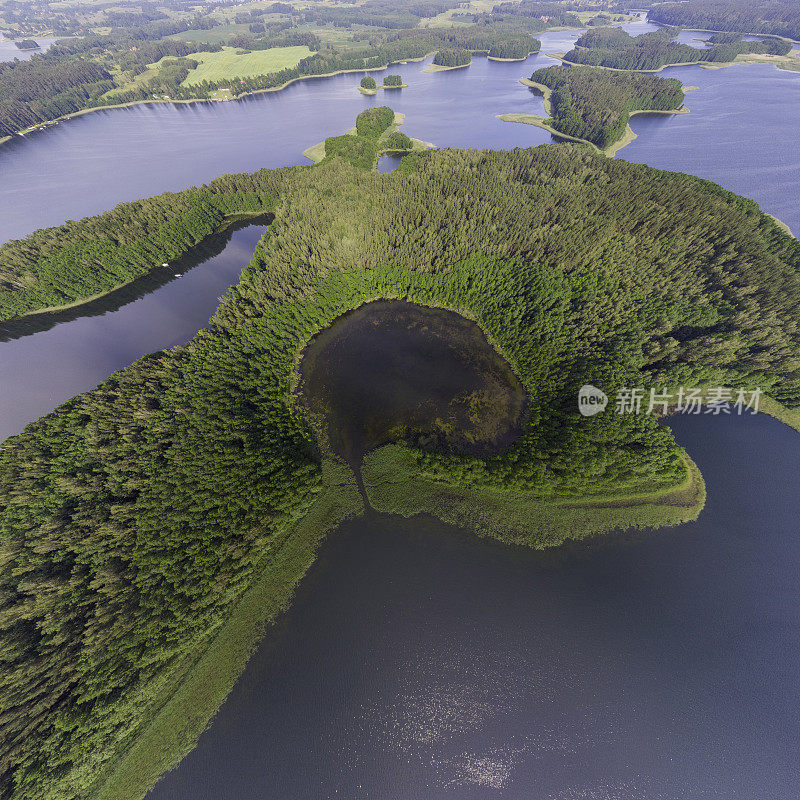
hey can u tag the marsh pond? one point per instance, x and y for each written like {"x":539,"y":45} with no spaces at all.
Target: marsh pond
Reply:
{"x":393,"y":370}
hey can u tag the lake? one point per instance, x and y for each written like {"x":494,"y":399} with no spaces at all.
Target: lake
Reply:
{"x":71,"y":352}
{"x":393,"y":370}
{"x":9,"y":51}
{"x":419,"y":661}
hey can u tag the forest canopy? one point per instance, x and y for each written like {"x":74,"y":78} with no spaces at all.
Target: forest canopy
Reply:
{"x":615,"y":48}
{"x":775,"y":17}
{"x":134,"y":516}
{"x":452,"y":57}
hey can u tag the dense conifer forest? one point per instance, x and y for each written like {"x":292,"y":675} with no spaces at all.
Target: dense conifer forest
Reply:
{"x":614,"y":47}
{"x":596,"y":105}
{"x":452,"y":57}
{"x":776,"y":17}
{"x":133,"y":517}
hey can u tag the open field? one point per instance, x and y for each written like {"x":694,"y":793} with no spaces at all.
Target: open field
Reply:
{"x":229,"y":64}
{"x":217,"y":35}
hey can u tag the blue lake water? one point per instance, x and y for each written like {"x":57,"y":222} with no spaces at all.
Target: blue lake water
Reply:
{"x":9,"y":51}
{"x":419,"y":661}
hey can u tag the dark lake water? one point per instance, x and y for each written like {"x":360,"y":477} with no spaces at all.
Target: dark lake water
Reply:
{"x":392,"y":370}
{"x":418,"y":661}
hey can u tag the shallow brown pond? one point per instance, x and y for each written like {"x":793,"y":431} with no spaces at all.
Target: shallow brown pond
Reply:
{"x":398,"y":371}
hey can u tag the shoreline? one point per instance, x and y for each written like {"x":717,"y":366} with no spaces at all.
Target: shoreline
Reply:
{"x":373,"y":92}
{"x":782,"y":225}
{"x":230,"y":221}
{"x":154,"y":101}
{"x":792,"y":63}
{"x":438,"y":68}
{"x":524,"y":58}
{"x":191,"y":695}
{"x":316,"y":153}
{"x":736,"y":33}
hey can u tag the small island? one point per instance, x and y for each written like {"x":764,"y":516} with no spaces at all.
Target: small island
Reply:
{"x":368,"y":85}
{"x":393,"y":82}
{"x":377,"y":131}
{"x":27,"y":44}
{"x":514,"y":49}
{"x":593,"y":106}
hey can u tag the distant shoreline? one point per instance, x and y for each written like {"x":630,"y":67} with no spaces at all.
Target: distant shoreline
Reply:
{"x":156,"y":101}
{"x":792,"y":62}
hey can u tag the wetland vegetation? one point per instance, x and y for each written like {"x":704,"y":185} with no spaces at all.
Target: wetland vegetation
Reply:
{"x":395,"y":371}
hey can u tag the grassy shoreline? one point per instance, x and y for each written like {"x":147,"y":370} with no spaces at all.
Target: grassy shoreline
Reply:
{"x":394,"y":486}
{"x":440,"y":68}
{"x":789,"y":63}
{"x":190,"y":701}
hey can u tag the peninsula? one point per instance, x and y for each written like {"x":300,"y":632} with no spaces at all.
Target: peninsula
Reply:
{"x":151,"y":528}
{"x":591,"y":105}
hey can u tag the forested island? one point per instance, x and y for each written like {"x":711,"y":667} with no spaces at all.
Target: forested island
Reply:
{"x":370,"y":87}
{"x":150,"y":527}
{"x":771,"y":17}
{"x":376,"y":132}
{"x":616,"y":49}
{"x":594,"y":105}
{"x":26,"y":44}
